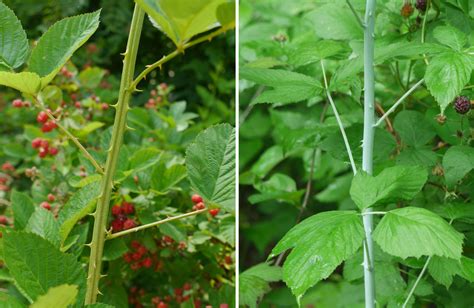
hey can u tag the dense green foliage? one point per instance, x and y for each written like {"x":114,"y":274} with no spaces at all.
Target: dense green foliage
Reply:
{"x":49,"y":188}
{"x":300,"y":204}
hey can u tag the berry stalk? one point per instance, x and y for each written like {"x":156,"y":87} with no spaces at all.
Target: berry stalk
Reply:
{"x":122,"y":107}
{"x":368,"y":146}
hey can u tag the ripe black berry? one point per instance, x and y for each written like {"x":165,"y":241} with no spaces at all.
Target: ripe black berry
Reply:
{"x":462,"y":105}
{"x":421,"y":5}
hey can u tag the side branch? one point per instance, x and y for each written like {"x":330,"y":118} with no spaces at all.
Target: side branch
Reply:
{"x":359,"y":20}
{"x":338,"y":119}
{"x":172,"y":55}
{"x":86,"y":154}
{"x":153,"y":224}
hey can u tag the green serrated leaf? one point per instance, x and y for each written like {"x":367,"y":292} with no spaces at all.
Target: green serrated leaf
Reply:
{"x":415,"y":232}
{"x":457,"y":162}
{"x":210,"y":161}
{"x":450,"y":36}
{"x":36,"y":265}
{"x":391,"y":185}
{"x":58,"y":297}
{"x":14,"y":47}
{"x":180,"y":20}
{"x":335,"y":22}
{"x":446,"y":76}
{"x":23,"y":208}
{"x":25,"y":82}
{"x":319,"y":244}
{"x":78,"y":206}
{"x":164,"y":178}
{"x":311,"y":52}
{"x":59,"y":43}
{"x":443,"y":270}
{"x":43,"y":223}
{"x":254,"y":283}
{"x":404,"y":123}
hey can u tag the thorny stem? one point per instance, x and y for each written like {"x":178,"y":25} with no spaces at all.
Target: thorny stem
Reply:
{"x":359,"y":20}
{"x":423,"y":30}
{"x":400,"y":100}
{"x":249,"y":108}
{"x":153,"y":224}
{"x":86,"y":154}
{"x":122,"y":107}
{"x":368,"y":145}
{"x":172,"y":55}
{"x":338,"y":119}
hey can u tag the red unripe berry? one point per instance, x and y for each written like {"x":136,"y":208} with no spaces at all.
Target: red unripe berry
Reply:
{"x":8,"y":167}
{"x":182,"y":245}
{"x":163,"y":86}
{"x":142,"y":250}
{"x":44,"y":144}
{"x":162,"y":305}
{"x":168,"y":298}
{"x":196,"y":198}
{"x":214,"y":212}
{"x":147,"y":262}
{"x":36,"y":143}
{"x":51,"y":198}
{"x":3,"y":220}
{"x":42,"y":117}
{"x":200,"y":206}
{"x":17,"y":103}
{"x":136,"y":256}
{"x":136,"y":244}
{"x":167,"y":239}
{"x":156,"y":300}
{"x":43,"y":152}
{"x":53,"y":151}
{"x":135,"y":266}
{"x":104,"y":106}
{"x":224,"y":306}
{"x":48,"y":126}
{"x":406,"y":10}
{"x":116,"y":210}
{"x":117,"y":225}
{"x":228,"y":260}
{"x":128,"y":224}
{"x":178,"y":291}
{"x":46,"y":205}
{"x":197,"y":303}
{"x":77,"y":104}
{"x":4,"y":187}
{"x":187,"y":286}
{"x":128,"y":208}
{"x":74,"y":96}
{"x":3,"y":180}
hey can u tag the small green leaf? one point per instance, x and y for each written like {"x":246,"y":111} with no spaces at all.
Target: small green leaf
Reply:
{"x":269,"y":159}
{"x":90,"y":77}
{"x":288,"y":94}
{"x":443,"y":270}
{"x":23,"y":208}
{"x":25,"y":82}
{"x":450,"y":36}
{"x":415,"y":232}
{"x":144,"y":158}
{"x":164,"y":178}
{"x":275,"y":77}
{"x":254,"y":283}
{"x":43,"y":223}
{"x":210,"y":161}
{"x":36,"y":265}
{"x":14,"y":47}
{"x":335,"y":22}
{"x":391,"y":185}
{"x":457,"y":162}
{"x":311,"y":52}
{"x":59,"y":43}
{"x":319,"y":244}
{"x":78,"y":206}
{"x":58,"y":297}
{"x":446,"y":76}
{"x":180,"y":20}
{"x":404,"y":123}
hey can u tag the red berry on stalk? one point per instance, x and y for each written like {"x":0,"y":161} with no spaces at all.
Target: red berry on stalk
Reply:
{"x":127,"y":257}
{"x":77,"y":104}
{"x":147,"y":262}
{"x":406,"y":10}
{"x":214,"y":212}
{"x":228,"y":260}
{"x":142,"y":250}
{"x":53,"y":151}
{"x":17,"y":103}
{"x":196,"y":198}
{"x":48,"y":126}
{"x":135,"y":266}
{"x":162,"y":305}
{"x":178,"y":291}
{"x":8,"y":167}
{"x":3,"y":220}
{"x":43,"y":152}
{"x":200,"y":206}
{"x":128,"y":224}
{"x":128,"y":208}
{"x":116,"y":210}
{"x":136,"y":244}
{"x":167,"y":239}
{"x":187,"y":286}
{"x":104,"y":106}
{"x":224,"y":306}
{"x":51,"y":198}
{"x":36,"y":143}
{"x":117,"y":225}
{"x":462,"y":104}
{"x":46,"y":205}
{"x":42,"y":117}
{"x":44,"y":144}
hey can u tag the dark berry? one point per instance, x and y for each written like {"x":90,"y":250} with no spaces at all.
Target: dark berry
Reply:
{"x":42,"y":117}
{"x":17,"y":103}
{"x":196,"y":198}
{"x":228,"y":260}
{"x":406,"y":10}
{"x":462,"y":105}
{"x":421,"y":5}
{"x":214,"y":212}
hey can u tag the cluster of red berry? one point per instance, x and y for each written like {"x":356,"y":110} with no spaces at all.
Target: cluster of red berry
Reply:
{"x":8,"y":168}
{"x":66,"y":73}
{"x":140,"y":257}
{"x":46,"y":204}
{"x":48,"y":124}
{"x":199,"y":205}
{"x":121,"y":220}
{"x":18,"y":103}
{"x":42,"y":145}
{"x":156,"y":96}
